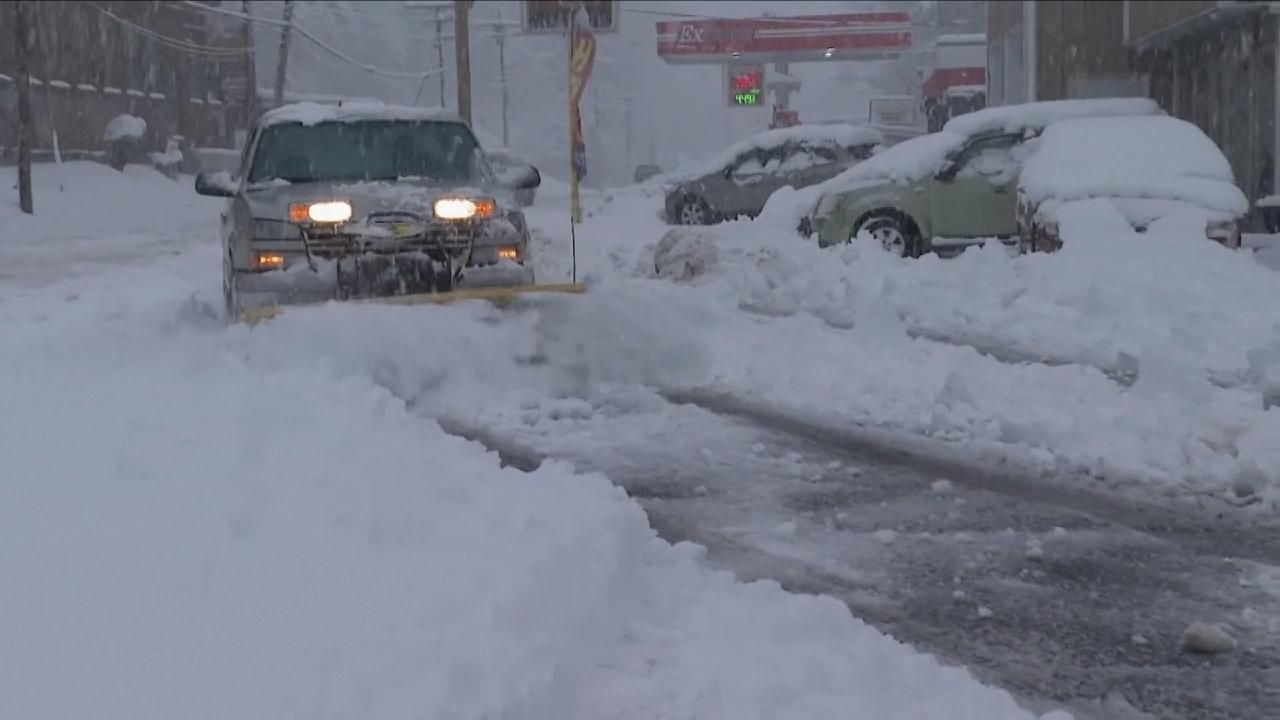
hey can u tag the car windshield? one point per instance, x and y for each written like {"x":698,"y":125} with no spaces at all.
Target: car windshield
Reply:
{"x":365,"y":150}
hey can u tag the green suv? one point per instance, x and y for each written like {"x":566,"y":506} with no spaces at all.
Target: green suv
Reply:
{"x":948,"y":190}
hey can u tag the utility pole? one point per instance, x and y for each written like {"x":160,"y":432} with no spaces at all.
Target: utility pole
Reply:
{"x":440,"y":52}
{"x":498,"y":35}
{"x":282,"y":63}
{"x":26,"y":132}
{"x":462,"y":52}
{"x":250,"y":69}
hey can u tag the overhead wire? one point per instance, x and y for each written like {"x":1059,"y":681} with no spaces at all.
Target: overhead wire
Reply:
{"x":372,"y":69}
{"x":170,"y":42}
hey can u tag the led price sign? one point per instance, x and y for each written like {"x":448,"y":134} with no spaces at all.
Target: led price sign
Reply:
{"x":746,"y":85}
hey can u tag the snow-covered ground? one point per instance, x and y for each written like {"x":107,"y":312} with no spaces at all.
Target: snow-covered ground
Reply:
{"x":205,"y":521}
{"x":853,"y":335}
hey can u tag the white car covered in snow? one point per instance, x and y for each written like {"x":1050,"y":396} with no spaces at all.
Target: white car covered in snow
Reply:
{"x":1148,"y":167}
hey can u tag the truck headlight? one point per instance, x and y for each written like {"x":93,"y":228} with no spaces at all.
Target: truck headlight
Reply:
{"x":327,"y":211}
{"x":464,"y":208}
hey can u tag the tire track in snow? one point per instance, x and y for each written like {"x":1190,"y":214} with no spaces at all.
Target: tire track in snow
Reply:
{"x":1256,"y":539}
{"x":1098,"y":612}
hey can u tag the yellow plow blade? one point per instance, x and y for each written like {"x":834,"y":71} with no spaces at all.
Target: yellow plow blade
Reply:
{"x":497,"y":295}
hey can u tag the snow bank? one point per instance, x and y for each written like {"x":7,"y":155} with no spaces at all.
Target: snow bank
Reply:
{"x":950,"y":349}
{"x":204,"y":522}
{"x":87,"y":216}
{"x":171,"y":155}
{"x":1131,"y":157}
{"x":833,"y":135}
{"x":124,"y":126}
{"x":684,"y":253}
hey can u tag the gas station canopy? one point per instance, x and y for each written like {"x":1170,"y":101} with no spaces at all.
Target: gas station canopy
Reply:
{"x":785,"y":39}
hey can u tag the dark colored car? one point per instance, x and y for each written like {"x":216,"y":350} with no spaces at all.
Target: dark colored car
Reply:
{"x":739,"y":181}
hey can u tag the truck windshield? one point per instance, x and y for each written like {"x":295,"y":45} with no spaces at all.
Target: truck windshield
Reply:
{"x":365,"y":150}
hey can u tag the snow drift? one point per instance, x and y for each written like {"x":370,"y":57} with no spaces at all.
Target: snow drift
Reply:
{"x":1028,"y":358}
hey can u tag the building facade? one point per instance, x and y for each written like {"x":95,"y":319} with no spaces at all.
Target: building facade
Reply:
{"x":1210,"y":62}
{"x":167,"y":62}
{"x":1214,"y":64}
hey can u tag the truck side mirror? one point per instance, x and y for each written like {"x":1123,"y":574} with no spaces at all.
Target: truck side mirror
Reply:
{"x":219,"y":184}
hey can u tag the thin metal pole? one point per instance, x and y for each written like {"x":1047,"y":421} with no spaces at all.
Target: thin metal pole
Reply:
{"x":440,"y":52}
{"x":462,"y":51}
{"x":250,"y":70}
{"x":502,"y":77}
{"x":573,"y":173}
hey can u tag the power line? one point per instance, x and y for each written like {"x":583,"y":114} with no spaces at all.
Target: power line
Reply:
{"x":167,"y":41}
{"x":372,"y":69}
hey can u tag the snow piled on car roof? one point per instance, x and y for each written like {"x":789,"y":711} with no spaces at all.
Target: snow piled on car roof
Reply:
{"x":1036,"y":115}
{"x":919,"y":157}
{"x":832,"y":135}
{"x":1131,"y":157}
{"x":309,"y":113}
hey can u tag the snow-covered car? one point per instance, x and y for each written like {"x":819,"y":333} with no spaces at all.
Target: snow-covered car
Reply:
{"x":512,"y":170}
{"x":1147,"y":167}
{"x":364,"y":200}
{"x":947,"y":190}
{"x":739,"y":180}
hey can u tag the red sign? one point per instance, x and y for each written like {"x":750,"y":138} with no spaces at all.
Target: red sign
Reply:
{"x":785,"y":39}
{"x":749,"y":81}
{"x":746,"y":85}
{"x":942,"y":79}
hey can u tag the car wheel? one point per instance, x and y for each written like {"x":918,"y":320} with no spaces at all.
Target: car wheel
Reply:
{"x":693,"y":211}
{"x":893,"y":234}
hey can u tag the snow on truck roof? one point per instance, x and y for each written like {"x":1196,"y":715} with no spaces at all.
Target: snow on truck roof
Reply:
{"x":310,"y":113}
{"x":1131,"y":157}
{"x":831,"y":135}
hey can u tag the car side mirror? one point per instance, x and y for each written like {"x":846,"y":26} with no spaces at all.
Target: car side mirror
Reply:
{"x":948,"y":172}
{"x":528,"y":179}
{"x":219,"y":184}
